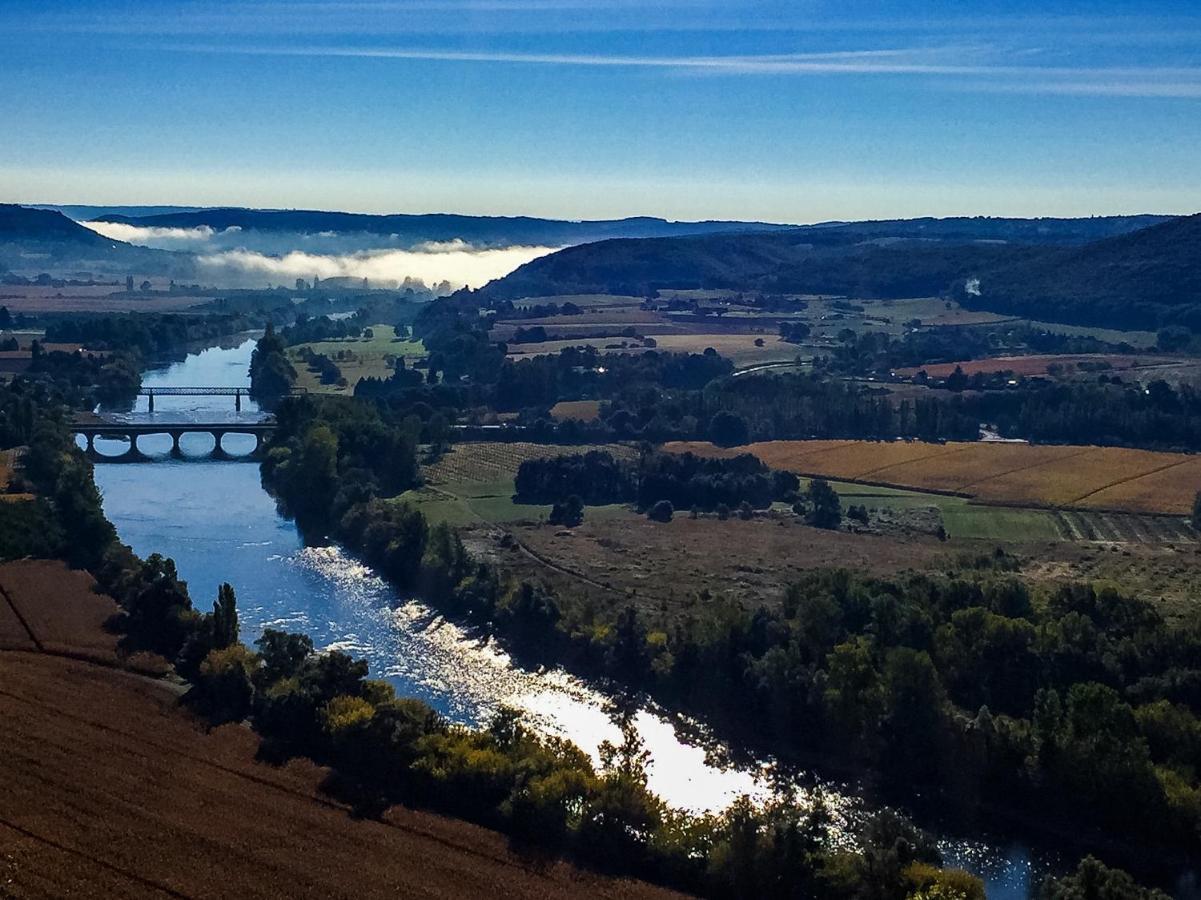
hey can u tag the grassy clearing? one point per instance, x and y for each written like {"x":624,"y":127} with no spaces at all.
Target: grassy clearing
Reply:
{"x":961,"y":518}
{"x":474,"y":483}
{"x":372,"y":357}
{"x":1144,"y":340}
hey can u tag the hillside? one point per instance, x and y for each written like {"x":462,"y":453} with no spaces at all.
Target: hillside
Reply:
{"x":833,"y":262}
{"x":1143,"y":279}
{"x":25,"y":225}
{"x":965,"y":229}
{"x":1146,"y":279}
{"x":37,"y":240}
{"x":495,"y":230}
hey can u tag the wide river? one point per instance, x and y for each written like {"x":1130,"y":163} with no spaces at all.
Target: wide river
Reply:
{"x":218,"y":524}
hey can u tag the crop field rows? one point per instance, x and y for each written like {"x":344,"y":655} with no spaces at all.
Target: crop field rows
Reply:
{"x":1080,"y":525}
{"x":1098,"y":478}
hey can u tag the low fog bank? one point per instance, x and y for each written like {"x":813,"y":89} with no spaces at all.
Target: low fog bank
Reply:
{"x":236,"y":258}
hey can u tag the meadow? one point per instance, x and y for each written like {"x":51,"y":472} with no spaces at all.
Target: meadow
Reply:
{"x":473,"y":483}
{"x":364,"y":357}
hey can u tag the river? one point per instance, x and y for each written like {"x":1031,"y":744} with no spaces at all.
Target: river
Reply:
{"x":218,"y":524}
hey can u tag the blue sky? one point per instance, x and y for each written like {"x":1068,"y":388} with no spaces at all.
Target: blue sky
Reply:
{"x":788,"y":111}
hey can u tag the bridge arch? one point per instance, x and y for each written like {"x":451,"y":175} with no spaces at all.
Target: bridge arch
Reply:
{"x":218,"y":431}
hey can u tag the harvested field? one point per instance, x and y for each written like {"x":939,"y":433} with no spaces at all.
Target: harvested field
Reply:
{"x":494,"y":460}
{"x":1170,"y":488}
{"x":58,"y":608}
{"x":1037,"y":364}
{"x":1139,"y":481}
{"x":581,"y":410}
{"x":99,"y":298}
{"x":111,"y":790}
{"x":739,"y":348}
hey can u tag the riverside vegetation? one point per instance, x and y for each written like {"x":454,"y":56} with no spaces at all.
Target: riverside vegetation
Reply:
{"x":386,"y":749}
{"x":1017,"y":692}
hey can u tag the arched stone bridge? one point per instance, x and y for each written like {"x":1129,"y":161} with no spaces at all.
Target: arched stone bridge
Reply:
{"x":132,"y":431}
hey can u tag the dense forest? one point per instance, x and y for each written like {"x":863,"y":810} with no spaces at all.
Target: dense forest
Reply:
{"x":682,"y":479}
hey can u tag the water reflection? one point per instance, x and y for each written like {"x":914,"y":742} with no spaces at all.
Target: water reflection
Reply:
{"x":219,"y":525}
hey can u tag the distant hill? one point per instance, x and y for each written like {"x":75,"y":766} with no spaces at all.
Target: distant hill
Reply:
{"x":487,"y":230}
{"x":988,"y":228}
{"x":23,"y":224}
{"x":1146,"y":279}
{"x":87,"y":213}
{"x":837,"y":262}
{"x":36,"y":240}
{"x":506,"y":230}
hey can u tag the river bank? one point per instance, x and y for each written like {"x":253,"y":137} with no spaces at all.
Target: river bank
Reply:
{"x":218,"y":524}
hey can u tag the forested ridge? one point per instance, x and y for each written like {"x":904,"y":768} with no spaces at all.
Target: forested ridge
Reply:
{"x":1145,"y":279}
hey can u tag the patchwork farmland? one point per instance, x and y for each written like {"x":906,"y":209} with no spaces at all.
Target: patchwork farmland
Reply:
{"x":1110,"y":479}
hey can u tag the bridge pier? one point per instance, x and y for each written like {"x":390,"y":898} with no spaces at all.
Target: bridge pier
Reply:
{"x":218,"y":450}
{"x":238,"y":402}
{"x":176,"y":450}
{"x":150,"y":397}
{"x":133,"y":454}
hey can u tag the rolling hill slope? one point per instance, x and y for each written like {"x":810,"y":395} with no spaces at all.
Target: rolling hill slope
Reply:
{"x":1143,"y":279}
{"x":1149,"y":278}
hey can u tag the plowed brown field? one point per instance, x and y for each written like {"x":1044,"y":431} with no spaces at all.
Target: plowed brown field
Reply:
{"x":108,"y":788}
{"x":1111,"y":478}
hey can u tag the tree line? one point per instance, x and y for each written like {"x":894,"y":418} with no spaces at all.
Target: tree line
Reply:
{"x":684,"y":480}
{"x":388,"y":749}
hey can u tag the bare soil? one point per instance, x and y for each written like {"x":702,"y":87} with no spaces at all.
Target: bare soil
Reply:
{"x":111,"y":790}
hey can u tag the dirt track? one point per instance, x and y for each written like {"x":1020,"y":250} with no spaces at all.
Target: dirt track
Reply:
{"x":108,"y":788}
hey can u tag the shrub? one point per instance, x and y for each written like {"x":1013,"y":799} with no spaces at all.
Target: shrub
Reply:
{"x":661,"y":511}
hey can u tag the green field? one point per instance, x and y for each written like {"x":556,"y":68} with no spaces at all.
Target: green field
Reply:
{"x":368,"y":358}
{"x":960,"y":517}
{"x":490,"y":502}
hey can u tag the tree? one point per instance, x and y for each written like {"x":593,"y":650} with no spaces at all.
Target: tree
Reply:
{"x":225,"y":684}
{"x":282,"y":654}
{"x":957,"y":380}
{"x":661,"y":511}
{"x":825,"y":510}
{"x":727,"y":429}
{"x":225,"y":618}
{"x":569,"y":513}
{"x":1093,"y":880}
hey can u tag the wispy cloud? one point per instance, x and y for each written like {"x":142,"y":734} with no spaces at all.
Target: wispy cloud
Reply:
{"x":986,"y":69}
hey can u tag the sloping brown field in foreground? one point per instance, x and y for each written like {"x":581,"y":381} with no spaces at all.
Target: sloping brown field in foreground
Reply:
{"x":1107,"y":478}
{"x":109,"y":789}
